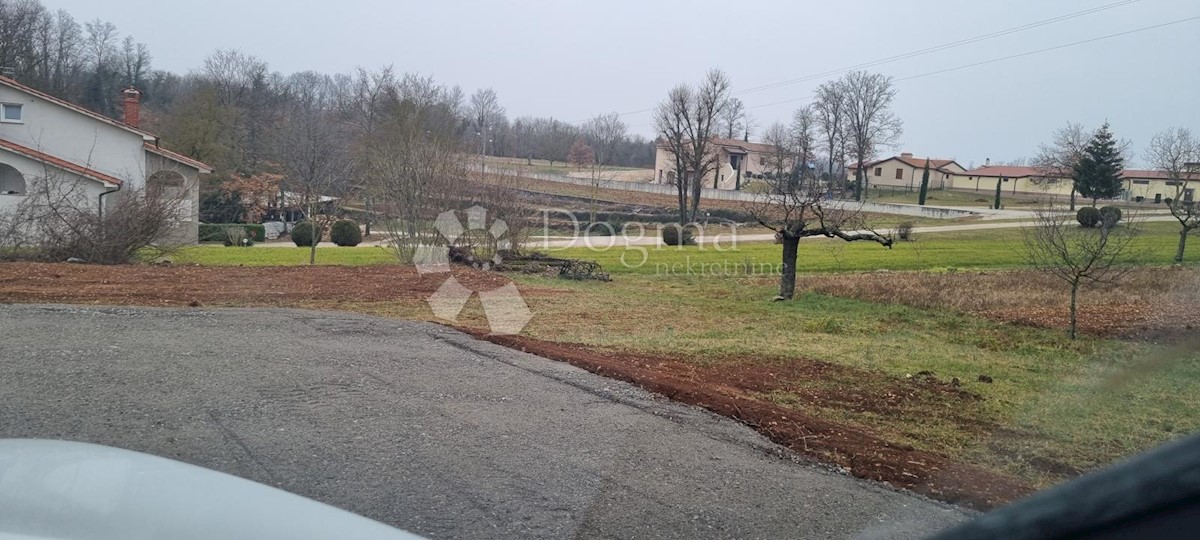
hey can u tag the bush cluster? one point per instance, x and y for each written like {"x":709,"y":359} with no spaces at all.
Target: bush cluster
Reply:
{"x":345,"y":233}
{"x":302,"y":234}
{"x":678,"y":235}
{"x":1089,"y":216}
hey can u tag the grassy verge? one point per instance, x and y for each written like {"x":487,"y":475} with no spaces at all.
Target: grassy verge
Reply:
{"x":994,"y":248}
{"x":216,"y":255}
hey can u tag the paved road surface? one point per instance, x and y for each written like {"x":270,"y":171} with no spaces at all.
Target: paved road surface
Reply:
{"x":421,"y":427}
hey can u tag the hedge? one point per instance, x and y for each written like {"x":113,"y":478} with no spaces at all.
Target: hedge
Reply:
{"x":215,"y":232}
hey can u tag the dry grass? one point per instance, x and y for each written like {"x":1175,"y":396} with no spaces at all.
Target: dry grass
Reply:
{"x":1151,"y":302}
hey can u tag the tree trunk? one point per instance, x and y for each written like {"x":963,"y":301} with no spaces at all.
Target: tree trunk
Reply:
{"x":1072,"y":199}
{"x":1183,"y":234}
{"x":1074,"y":310}
{"x":858,"y":181}
{"x":787,"y":278}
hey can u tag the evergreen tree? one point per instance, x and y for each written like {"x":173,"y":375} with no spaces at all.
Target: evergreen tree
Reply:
{"x":924,"y":184}
{"x":999,"y":185}
{"x":1098,"y":173}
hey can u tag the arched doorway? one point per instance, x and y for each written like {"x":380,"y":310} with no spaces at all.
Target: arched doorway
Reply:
{"x":12,"y":182}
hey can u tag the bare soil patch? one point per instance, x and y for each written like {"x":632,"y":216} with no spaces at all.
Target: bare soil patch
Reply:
{"x":232,"y":285}
{"x":733,"y":388}
{"x":1152,"y":303}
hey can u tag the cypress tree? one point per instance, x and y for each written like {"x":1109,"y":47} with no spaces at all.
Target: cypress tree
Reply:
{"x":1098,"y":173}
{"x":999,"y":183}
{"x":924,"y":184}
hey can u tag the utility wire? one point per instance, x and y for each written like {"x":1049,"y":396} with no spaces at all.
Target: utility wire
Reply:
{"x":921,"y":52}
{"x":1014,"y":56}
{"x":937,"y":48}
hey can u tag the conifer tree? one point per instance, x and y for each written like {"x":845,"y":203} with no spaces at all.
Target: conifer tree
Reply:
{"x":924,"y":184}
{"x":1098,"y":173}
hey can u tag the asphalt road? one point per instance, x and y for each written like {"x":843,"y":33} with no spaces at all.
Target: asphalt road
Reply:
{"x":421,"y":427}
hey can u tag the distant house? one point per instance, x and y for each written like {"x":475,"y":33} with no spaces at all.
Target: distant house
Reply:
{"x":738,"y":163}
{"x":46,"y":139}
{"x":1020,"y":180}
{"x":906,"y":170}
{"x":1013,"y":179}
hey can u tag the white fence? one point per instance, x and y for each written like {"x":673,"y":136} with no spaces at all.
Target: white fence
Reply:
{"x":730,"y":195}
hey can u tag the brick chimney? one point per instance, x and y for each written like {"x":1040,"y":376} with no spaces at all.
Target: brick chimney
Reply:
{"x":906,"y":155}
{"x":133,"y":106}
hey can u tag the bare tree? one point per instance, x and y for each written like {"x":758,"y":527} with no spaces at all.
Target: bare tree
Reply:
{"x":733,"y":119}
{"x":485,"y":112}
{"x":802,"y":211}
{"x":1078,"y":255}
{"x":804,"y":139}
{"x":135,"y":62}
{"x":870,"y":119}
{"x":606,"y":132}
{"x":1056,"y":160}
{"x":416,"y":162}
{"x":686,"y":125}
{"x":313,"y":151}
{"x":781,"y":154}
{"x":1176,"y":153}
{"x":829,"y":108}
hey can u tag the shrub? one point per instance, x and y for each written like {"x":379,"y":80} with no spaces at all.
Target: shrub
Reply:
{"x":237,"y":237}
{"x":216,"y":232}
{"x":904,"y":230}
{"x":302,"y":234}
{"x":1088,"y":216}
{"x":678,"y":235}
{"x":345,"y":233}
{"x":1110,"y":215}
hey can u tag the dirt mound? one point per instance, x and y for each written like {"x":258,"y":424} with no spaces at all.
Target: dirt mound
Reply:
{"x":728,"y":391}
{"x":202,"y":285}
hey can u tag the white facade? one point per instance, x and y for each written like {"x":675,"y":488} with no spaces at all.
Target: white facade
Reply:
{"x":43,"y":139}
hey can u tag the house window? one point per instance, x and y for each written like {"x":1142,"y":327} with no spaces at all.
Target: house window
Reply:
{"x":1142,"y":182}
{"x":878,"y":171}
{"x":11,"y":113}
{"x":899,"y":174}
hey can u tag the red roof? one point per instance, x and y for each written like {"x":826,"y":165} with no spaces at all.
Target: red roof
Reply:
{"x":177,"y":157}
{"x":1007,"y":171}
{"x":59,"y":163}
{"x":1145,"y":174}
{"x":915,"y":162}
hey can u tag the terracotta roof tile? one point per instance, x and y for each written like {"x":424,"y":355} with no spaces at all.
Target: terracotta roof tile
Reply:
{"x":202,"y":167}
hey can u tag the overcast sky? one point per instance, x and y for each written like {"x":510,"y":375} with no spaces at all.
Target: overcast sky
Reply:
{"x":572,"y":59}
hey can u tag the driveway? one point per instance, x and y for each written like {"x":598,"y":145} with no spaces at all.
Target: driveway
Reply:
{"x":421,"y":427}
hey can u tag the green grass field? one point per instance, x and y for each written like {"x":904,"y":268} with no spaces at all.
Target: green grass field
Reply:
{"x":995,"y":248}
{"x":217,"y":255}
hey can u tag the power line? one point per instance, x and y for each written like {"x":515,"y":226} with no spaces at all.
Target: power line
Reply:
{"x":920,"y":52}
{"x":937,"y":48}
{"x":1054,"y":48}
{"x":1011,"y":57}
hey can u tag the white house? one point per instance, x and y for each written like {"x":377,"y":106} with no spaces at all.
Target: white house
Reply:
{"x":46,"y":139}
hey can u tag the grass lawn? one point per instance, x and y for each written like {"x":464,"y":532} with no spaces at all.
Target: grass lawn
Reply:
{"x":983,"y":198}
{"x":995,"y":248}
{"x":217,"y":255}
